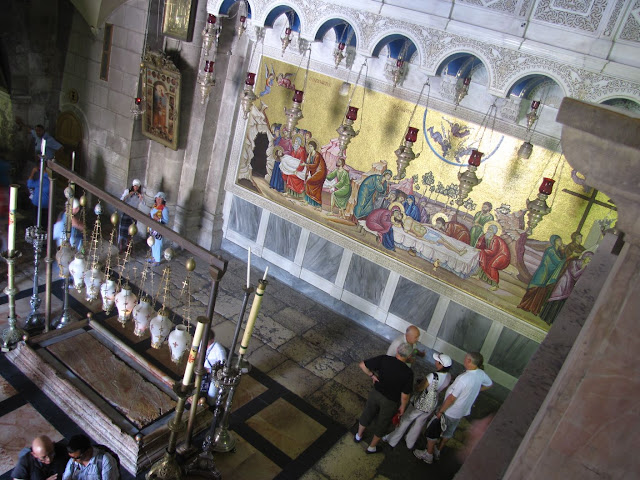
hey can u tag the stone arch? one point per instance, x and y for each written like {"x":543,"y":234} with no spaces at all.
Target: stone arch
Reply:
{"x":316,"y":26}
{"x":277,"y":10}
{"x":488,"y":65}
{"x":608,"y":97}
{"x":519,"y":75}
{"x":375,"y":42}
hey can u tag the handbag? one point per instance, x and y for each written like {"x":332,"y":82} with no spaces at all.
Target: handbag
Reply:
{"x":427,"y":400}
{"x":396,"y":419}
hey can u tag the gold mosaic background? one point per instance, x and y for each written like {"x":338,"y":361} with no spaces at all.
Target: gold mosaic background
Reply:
{"x":382,"y":123}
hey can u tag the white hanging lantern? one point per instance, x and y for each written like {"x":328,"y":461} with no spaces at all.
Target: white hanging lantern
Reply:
{"x":64,"y":257}
{"x":179,"y":342}
{"x":125,"y":301}
{"x":77,"y":268}
{"x":142,"y":313}
{"x":160,"y":327}
{"x":108,"y":293}
{"x":92,"y":280}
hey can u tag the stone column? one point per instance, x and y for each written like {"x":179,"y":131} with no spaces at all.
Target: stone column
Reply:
{"x":586,"y":420}
{"x":228,"y":89}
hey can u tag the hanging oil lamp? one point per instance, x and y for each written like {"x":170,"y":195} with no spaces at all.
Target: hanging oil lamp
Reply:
{"x":248,"y":95}
{"x":468,"y":179}
{"x":405,"y":153}
{"x":462,"y":89}
{"x":538,"y":208}
{"x":286,"y":40}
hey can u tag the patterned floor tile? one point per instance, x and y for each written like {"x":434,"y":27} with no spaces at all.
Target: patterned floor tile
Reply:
{"x":6,"y":390}
{"x":286,"y":427}
{"x":300,"y":350}
{"x":245,"y":463}
{"x":338,"y":402}
{"x":292,"y":376}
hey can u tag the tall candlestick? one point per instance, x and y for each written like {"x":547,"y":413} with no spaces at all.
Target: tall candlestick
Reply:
{"x":43,"y":146}
{"x":73,"y":160}
{"x":248,"y":266}
{"x":13,"y":201}
{"x":265,"y":273}
{"x":255,"y":308}
{"x":195,"y":345}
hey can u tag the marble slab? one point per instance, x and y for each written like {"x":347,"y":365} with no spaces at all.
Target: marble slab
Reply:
{"x":322,"y":257}
{"x":300,"y":350}
{"x":245,"y":463}
{"x":338,"y":402}
{"x":366,"y":279}
{"x":295,"y":378}
{"x":282,"y":237}
{"x":124,"y":388}
{"x":414,"y":303}
{"x":464,"y":328}
{"x":512,"y":352}
{"x":244,"y":218}
{"x":347,"y":460}
{"x":286,"y":427}
{"x":248,"y":389}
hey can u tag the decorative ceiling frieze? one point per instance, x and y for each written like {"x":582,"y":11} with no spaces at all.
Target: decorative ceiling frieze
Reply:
{"x":505,"y":66}
{"x":584,"y":15}
{"x":631,"y":29}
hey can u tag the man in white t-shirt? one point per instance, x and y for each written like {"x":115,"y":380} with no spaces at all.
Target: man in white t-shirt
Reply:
{"x":411,"y":336}
{"x":458,"y":401}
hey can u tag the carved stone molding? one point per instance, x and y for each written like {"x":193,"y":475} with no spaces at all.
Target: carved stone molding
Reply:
{"x":504,"y":66}
{"x":510,"y":109}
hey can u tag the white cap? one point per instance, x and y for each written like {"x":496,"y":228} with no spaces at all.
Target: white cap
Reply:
{"x":136,"y":182}
{"x":161,"y":195}
{"x":445,"y":360}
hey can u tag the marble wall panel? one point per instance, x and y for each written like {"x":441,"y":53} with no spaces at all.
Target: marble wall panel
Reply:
{"x":512,"y":352}
{"x":414,"y":303}
{"x":366,"y":279}
{"x":282,"y":237}
{"x":322,"y":257}
{"x":464,"y":328}
{"x":244,"y":218}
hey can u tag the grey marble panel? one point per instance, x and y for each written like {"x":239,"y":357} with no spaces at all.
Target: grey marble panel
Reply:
{"x":512,"y":352}
{"x":322,"y":257}
{"x":244,"y":218}
{"x":413,"y":303}
{"x":282,"y":237}
{"x":464,"y":328}
{"x":366,"y":279}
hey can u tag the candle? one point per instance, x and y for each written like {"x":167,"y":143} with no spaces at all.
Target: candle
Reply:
{"x":13,"y":201}
{"x":73,"y":160}
{"x":265,"y":274}
{"x":255,"y":308}
{"x":43,"y":146}
{"x":193,"y":353}
{"x":248,"y":266}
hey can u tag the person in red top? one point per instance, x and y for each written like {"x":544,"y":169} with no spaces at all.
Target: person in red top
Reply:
{"x":494,"y":255}
{"x":316,"y":175}
{"x":453,"y":229}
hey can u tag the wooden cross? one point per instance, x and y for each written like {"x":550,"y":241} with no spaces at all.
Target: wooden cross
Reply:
{"x":591,"y":200}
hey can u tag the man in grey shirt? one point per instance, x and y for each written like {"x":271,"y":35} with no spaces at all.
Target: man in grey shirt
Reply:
{"x":88,"y":462}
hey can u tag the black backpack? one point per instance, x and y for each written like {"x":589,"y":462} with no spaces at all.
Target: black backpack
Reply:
{"x":100,"y":451}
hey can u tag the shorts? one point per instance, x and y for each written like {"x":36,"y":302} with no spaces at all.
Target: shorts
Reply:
{"x":434,"y":430}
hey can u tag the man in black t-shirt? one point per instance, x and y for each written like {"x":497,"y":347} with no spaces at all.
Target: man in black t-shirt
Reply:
{"x":393,"y":384}
{"x":43,"y":461}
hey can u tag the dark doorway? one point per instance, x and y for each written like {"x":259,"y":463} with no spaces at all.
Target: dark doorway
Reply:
{"x":259,"y":160}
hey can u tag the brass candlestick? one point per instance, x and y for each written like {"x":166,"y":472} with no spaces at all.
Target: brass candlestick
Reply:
{"x":13,"y":334}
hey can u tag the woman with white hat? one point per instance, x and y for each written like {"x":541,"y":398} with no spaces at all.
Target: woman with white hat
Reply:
{"x":160,"y":213}
{"x":423,"y":403}
{"x":131,"y":196}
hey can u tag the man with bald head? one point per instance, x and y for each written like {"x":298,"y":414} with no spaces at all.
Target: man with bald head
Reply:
{"x":411,"y":336}
{"x":43,"y":461}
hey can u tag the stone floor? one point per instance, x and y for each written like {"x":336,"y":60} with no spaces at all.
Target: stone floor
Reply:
{"x":294,"y":414}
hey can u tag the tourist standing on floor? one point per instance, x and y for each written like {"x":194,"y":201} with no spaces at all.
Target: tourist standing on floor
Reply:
{"x":160,"y":213}
{"x":39,"y":134}
{"x":411,"y":336}
{"x":423,"y":404}
{"x":77,"y":227}
{"x":45,"y":460}
{"x":132,"y":196}
{"x":392,"y":386}
{"x":87,"y":462}
{"x":457,"y":403}
{"x":33,"y":184}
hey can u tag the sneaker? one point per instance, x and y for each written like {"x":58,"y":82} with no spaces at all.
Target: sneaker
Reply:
{"x":371,"y":452}
{"x":356,"y":439}
{"x":385,"y":439}
{"x":423,"y":455}
{"x":436,"y":453}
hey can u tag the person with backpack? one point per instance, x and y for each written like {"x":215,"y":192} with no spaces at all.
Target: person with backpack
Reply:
{"x":89,"y":462}
{"x":422,"y":404}
{"x":45,"y":460}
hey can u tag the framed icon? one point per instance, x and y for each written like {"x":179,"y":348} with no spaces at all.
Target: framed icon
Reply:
{"x":161,"y":87}
{"x":178,"y":20}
